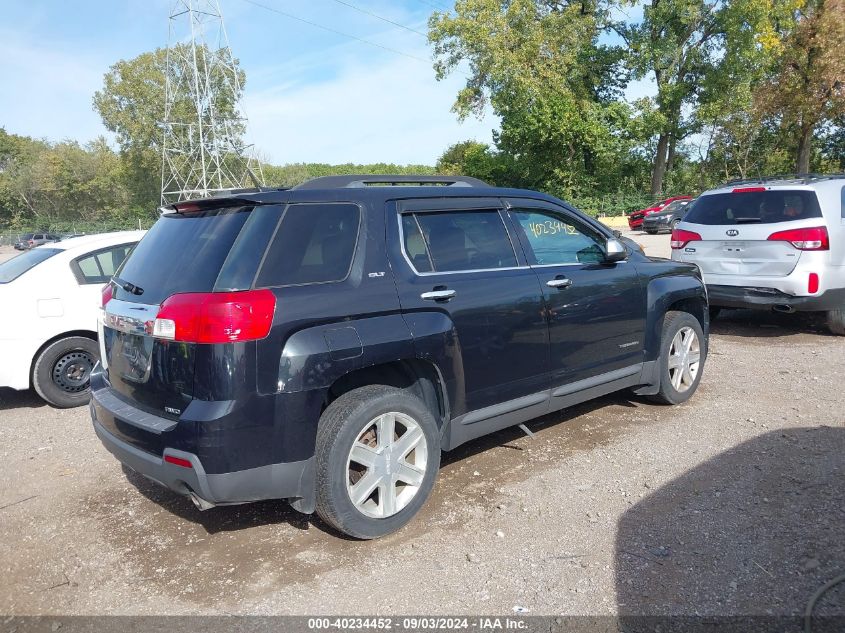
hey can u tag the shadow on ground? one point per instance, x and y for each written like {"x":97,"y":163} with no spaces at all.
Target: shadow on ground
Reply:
{"x":764,"y":324}
{"x":754,"y":531}
{"x":12,"y":399}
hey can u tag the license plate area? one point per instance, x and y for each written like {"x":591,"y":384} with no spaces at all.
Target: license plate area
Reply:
{"x":129,"y":356}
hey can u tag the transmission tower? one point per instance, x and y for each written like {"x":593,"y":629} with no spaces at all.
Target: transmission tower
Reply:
{"x":203,"y":149}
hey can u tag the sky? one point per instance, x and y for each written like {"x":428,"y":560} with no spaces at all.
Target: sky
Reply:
{"x":312,"y":94}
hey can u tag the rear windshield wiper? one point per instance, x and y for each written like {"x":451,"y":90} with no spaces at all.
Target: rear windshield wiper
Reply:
{"x":747,"y":220}
{"x":129,"y":287}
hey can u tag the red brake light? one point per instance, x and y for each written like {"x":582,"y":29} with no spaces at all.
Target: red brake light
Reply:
{"x":812,"y":239}
{"x":681,"y":238}
{"x":748,"y":189}
{"x":216,"y":317}
{"x":107,"y":293}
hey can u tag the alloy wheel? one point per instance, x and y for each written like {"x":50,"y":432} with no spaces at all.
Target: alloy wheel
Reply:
{"x":684,"y":359}
{"x":386,"y":465}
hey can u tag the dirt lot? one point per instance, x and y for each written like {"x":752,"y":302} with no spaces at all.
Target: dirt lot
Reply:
{"x":730,"y":504}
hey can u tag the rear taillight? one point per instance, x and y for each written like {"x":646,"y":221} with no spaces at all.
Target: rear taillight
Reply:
{"x":681,"y":238}
{"x":106,"y":294}
{"x":216,"y":317}
{"x":812,"y":239}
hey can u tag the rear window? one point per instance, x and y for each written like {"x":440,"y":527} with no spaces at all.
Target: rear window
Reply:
{"x":13,"y":268}
{"x":181,"y":253}
{"x":313,"y":244}
{"x":759,"y":207}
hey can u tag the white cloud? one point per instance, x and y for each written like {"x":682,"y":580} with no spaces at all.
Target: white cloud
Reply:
{"x":393,"y":112}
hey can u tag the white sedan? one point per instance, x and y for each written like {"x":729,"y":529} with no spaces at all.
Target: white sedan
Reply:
{"x":50,"y":298}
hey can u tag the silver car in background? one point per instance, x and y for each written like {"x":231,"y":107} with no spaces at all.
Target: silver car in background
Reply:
{"x":774,"y":244}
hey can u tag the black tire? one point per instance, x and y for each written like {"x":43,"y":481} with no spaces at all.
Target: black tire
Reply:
{"x":651,"y":232}
{"x":673,"y":322}
{"x":340,"y":426}
{"x":836,"y":321}
{"x":674,"y":224}
{"x":714,"y":313}
{"x":61,"y":373}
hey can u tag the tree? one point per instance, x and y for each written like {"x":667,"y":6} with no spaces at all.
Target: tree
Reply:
{"x":676,"y":44}
{"x":131,"y":104}
{"x":806,"y":90}
{"x":541,"y":68}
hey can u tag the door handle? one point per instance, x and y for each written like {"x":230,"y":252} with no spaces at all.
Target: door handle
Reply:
{"x":438,"y":295}
{"x":559,"y":282}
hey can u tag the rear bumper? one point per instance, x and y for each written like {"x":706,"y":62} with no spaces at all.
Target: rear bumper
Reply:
{"x":290,"y":480}
{"x":768,"y":298}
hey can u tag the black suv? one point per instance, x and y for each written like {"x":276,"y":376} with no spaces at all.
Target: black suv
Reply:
{"x":323,"y":344}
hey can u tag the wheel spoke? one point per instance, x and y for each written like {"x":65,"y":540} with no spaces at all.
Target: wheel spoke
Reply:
{"x":363,"y":454}
{"x":387,"y":496}
{"x":677,"y":377}
{"x":686,"y":377}
{"x":362,"y":490}
{"x":385,"y":428}
{"x":689,"y":339}
{"x":693,"y":357}
{"x":674,"y":361}
{"x":409,"y":441}
{"x":409,"y":474}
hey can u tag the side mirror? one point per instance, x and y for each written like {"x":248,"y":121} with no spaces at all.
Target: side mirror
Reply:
{"x":615,"y":251}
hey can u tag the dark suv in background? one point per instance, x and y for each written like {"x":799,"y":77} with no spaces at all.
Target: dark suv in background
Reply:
{"x":324,"y":344}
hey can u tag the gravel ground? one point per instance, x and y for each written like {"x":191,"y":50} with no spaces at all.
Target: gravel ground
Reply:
{"x":730,"y":504}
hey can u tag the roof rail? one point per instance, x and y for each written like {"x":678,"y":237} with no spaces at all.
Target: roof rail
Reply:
{"x":380,"y":180}
{"x":803,"y":178}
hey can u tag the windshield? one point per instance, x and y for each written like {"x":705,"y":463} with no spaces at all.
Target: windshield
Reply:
{"x":756,"y":207}
{"x":13,"y":268}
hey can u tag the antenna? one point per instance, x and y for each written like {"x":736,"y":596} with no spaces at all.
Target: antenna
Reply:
{"x":203,"y":149}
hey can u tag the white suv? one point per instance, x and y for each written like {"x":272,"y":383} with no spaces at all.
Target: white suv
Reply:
{"x":774,"y":243}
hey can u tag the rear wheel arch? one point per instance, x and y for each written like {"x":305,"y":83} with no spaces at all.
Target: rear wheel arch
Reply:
{"x":419,"y":377}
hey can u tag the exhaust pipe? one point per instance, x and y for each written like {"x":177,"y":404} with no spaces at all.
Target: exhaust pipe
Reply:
{"x":199,"y":502}
{"x":785,"y":309}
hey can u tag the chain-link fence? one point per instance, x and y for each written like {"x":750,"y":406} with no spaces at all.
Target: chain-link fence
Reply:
{"x":9,"y":236}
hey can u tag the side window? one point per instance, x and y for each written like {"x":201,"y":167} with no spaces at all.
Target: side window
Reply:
{"x":414,"y":244}
{"x":466,"y":240}
{"x":313,"y":244}
{"x":558,"y":239}
{"x":97,"y":268}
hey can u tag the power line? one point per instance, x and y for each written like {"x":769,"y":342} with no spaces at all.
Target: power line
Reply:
{"x":335,"y":31}
{"x":380,"y":17}
{"x":439,"y":6}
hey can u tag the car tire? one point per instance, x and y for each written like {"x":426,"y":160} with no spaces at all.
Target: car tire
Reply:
{"x":62,"y":371}
{"x":674,"y":224}
{"x":350,"y":429}
{"x":676,"y":387}
{"x":651,"y":232}
{"x":836,"y":321}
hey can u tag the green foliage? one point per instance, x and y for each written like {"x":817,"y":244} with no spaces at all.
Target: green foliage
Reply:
{"x":296,"y":173}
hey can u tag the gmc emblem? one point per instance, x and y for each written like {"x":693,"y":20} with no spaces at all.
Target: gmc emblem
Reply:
{"x":731,"y":232}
